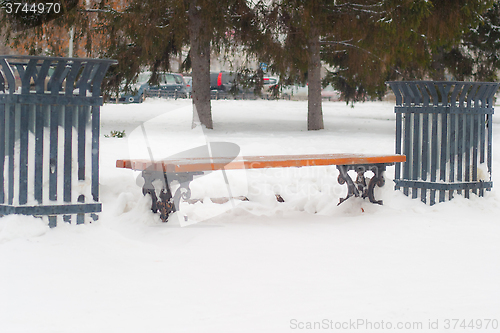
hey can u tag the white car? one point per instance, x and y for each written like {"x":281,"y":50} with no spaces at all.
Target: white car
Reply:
{"x":330,"y":93}
{"x":300,"y":93}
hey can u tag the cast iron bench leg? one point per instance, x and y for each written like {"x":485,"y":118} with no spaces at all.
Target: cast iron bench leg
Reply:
{"x":345,"y":178}
{"x":165,"y":202}
{"x":376,"y":180}
{"x":148,"y":188}
{"x":359,"y":187}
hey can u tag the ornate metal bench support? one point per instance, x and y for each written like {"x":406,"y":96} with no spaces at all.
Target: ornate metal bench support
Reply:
{"x":165,"y":202}
{"x":359,"y":187}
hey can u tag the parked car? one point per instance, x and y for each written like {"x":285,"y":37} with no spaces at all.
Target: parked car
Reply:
{"x":330,"y":93}
{"x":223,"y":85}
{"x":222,"y":81}
{"x":270,"y":81}
{"x":189,"y":83}
{"x":295,"y":92}
{"x":170,"y":85}
{"x":270,"y":87}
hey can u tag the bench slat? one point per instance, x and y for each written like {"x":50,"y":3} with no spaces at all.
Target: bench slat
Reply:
{"x":256,"y":162}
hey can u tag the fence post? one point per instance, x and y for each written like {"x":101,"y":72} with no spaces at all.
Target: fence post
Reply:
{"x":49,"y":126}
{"x":445,"y":131}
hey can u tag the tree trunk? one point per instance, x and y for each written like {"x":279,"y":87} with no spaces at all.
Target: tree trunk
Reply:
{"x":315,"y":113}
{"x":199,"y":40}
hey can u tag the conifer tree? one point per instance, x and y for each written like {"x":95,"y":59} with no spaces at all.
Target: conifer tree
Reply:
{"x":439,"y":30}
{"x":316,"y":31}
{"x":407,"y":40}
{"x":364,"y":42}
{"x":146,"y":34}
{"x":477,"y":57}
{"x":152,"y":32}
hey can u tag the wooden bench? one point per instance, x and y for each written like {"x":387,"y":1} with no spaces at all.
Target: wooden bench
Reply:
{"x":183,"y":170}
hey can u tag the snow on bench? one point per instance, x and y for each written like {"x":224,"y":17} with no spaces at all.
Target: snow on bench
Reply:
{"x":183,"y":170}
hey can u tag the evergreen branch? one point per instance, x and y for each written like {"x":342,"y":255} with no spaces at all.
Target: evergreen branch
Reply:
{"x":106,"y":11}
{"x":354,"y":7}
{"x":345,"y":43}
{"x":363,"y":6}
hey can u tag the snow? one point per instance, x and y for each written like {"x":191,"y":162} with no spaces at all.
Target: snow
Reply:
{"x":258,"y":265}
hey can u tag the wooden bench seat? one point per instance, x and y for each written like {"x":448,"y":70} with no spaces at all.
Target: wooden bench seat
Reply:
{"x":184,"y":169}
{"x":256,"y":162}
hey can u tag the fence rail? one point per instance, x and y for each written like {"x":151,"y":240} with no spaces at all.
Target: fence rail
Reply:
{"x":49,"y":126}
{"x":444,"y":129}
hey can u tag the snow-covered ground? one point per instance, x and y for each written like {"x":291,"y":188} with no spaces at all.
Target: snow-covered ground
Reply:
{"x":259,"y":265}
